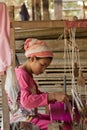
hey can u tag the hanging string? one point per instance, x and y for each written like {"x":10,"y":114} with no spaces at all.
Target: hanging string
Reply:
{"x":69,"y":52}
{"x":72,"y":66}
{"x":85,"y":87}
{"x":79,"y":59}
{"x":72,"y":53}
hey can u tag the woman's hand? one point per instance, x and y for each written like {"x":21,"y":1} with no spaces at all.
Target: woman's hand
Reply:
{"x":58,"y":96}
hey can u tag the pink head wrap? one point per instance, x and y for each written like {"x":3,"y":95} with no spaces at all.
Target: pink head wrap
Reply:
{"x":38,"y":48}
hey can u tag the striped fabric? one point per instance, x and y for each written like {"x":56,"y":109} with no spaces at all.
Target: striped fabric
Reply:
{"x":38,"y":48}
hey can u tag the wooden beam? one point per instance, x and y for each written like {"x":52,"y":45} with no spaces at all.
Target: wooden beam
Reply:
{"x":50,"y":23}
{"x":39,"y":24}
{"x":51,"y":32}
{"x":40,"y":34}
{"x":5,"y":109}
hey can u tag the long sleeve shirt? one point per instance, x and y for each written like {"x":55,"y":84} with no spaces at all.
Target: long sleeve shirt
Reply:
{"x":30,"y":96}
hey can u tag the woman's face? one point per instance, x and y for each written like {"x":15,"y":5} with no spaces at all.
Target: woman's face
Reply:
{"x":38,"y":66}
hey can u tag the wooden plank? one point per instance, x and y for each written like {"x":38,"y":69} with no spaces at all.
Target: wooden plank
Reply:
{"x":39,"y":24}
{"x":12,"y":43}
{"x":46,"y":33}
{"x":55,"y":44}
{"x":45,"y":24}
{"x":5,"y":118}
{"x":59,"y":56}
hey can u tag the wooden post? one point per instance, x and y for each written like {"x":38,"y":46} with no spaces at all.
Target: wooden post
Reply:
{"x":84,"y":9}
{"x":5,"y":110}
{"x":45,"y":8}
{"x":12,"y":38}
{"x":58,"y":9}
{"x":36,"y":9}
{"x":11,"y":12}
{"x":33,"y":16}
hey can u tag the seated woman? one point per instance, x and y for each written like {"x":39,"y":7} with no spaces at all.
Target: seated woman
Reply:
{"x":39,"y":57}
